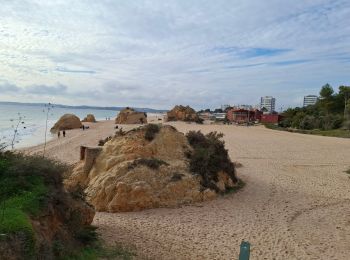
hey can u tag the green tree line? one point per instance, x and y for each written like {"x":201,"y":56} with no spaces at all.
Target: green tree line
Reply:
{"x":331,"y":111}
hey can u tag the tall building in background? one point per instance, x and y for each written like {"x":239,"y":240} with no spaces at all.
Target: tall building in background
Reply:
{"x":310,"y":100}
{"x":269,"y":103}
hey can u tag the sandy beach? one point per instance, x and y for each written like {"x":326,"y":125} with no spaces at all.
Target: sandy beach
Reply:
{"x":295,"y":205}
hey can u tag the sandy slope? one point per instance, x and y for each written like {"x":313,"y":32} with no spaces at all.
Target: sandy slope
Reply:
{"x":296,"y":204}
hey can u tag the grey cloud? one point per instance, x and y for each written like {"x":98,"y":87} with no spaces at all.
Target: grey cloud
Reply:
{"x":46,"y":90}
{"x":63,"y":69}
{"x":9,"y":88}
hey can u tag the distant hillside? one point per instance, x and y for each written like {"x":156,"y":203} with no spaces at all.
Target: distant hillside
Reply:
{"x":147,"y":110}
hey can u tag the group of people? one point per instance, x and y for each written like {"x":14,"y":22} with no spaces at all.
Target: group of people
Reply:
{"x":63,"y":133}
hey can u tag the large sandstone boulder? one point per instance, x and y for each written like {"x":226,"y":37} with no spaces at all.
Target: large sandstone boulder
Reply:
{"x":89,"y":118}
{"x":67,"y":122}
{"x":130,"y":116}
{"x":134,"y":171}
{"x":182,"y":113}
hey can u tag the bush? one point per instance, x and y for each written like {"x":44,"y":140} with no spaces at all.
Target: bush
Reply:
{"x":152,"y":163}
{"x":87,"y":235}
{"x":199,"y":120}
{"x":27,"y":185}
{"x":150,"y":131}
{"x":346,"y":125}
{"x":209,"y":157}
{"x":103,"y":141}
{"x":176,"y":177}
{"x":309,"y":122}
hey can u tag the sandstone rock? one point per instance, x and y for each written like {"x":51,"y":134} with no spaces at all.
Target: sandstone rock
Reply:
{"x":182,"y":113}
{"x":130,"y":116}
{"x":89,"y":118}
{"x":67,"y":122}
{"x":131,"y":173}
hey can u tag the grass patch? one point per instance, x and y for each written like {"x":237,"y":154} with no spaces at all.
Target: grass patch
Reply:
{"x":150,"y":131}
{"x":342,"y":133}
{"x":24,"y":182}
{"x":152,"y":163}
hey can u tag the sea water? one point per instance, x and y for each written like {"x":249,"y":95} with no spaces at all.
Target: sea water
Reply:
{"x":31,"y":121}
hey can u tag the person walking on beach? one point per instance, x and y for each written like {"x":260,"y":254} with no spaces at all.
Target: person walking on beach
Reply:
{"x":59,"y":134}
{"x":64,"y":133}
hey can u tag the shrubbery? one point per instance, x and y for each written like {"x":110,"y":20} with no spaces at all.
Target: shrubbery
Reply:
{"x":209,"y":157}
{"x":328,"y":113}
{"x":150,"y":131}
{"x":27,"y":185}
{"x":152,"y":163}
{"x":103,"y":141}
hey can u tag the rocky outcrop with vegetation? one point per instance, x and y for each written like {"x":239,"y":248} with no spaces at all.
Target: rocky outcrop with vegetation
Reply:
{"x":155,"y":166}
{"x":182,"y":113}
{"x":38,"y":218}
{"x":90,"y":118}
{"x":130,"y":116}
{"x":67,"y":122}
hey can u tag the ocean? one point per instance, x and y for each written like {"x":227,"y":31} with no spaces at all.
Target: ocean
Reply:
{"x":31,"y":130}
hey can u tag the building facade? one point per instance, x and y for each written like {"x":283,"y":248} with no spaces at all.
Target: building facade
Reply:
{"x":310,"y":100}
{"x":268,"y":103}
{"x":271,"y":118}
{"x":241,"y":116}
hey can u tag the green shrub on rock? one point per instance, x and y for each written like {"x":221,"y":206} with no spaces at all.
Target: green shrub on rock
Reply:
{"x":209,"y":157}
{"x":150,"y":131}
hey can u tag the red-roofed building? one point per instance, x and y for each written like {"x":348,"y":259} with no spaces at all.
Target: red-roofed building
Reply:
{"x":243,"y":115}
{"x":270,"y":118}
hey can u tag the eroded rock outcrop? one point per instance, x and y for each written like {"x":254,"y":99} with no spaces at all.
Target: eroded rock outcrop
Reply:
{"x":140,"y":170}
{"x":182,"y":113}
{"x":67,"y":122}
{"x":89,"y":118}
{"x":130,"y":116}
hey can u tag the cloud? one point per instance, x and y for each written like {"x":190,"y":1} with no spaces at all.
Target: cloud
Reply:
{"x":46,"y":90}
{"x":246,"y":53}
{"x":9,"y":88}
{"x":158,"y":53}
{"x":63,"y":69}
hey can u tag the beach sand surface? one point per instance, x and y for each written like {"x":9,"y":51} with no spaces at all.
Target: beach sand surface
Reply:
{"x":295,"y":205}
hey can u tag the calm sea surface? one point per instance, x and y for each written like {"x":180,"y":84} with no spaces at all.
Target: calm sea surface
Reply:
{"x":32,"y":130}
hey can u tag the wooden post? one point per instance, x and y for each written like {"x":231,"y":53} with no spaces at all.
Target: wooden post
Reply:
{"x":82,"y":152}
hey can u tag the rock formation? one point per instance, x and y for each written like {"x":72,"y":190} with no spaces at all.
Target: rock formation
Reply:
{"x":67,"y":122}
{"x":130,"y":116}
{"x":182,"y":113}
{"x":89,"y":118}
{"x":133,"y":172}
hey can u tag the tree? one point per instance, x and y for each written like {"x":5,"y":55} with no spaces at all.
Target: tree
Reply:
{"x":344,"y":94}
{"x":326,"y":91}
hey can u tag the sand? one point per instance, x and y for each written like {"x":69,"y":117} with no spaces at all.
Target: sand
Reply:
{"x":296,"y":204}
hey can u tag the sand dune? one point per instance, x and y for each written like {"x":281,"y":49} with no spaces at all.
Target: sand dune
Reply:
{"x":296,"y":204}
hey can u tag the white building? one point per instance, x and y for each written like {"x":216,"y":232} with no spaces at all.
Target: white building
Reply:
{"x":269,"y":103}
{"x":310,"y":100}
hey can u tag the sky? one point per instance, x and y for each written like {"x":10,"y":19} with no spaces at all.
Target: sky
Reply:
{"x":161,"y":53}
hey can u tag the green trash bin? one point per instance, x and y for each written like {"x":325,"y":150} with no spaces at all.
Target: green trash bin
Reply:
{"x":244,"y":252}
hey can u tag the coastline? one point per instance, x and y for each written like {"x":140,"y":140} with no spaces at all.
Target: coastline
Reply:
{"x":67,"y":148}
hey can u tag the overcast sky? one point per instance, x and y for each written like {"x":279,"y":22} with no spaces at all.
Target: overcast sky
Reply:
{"x":161,"y":53}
